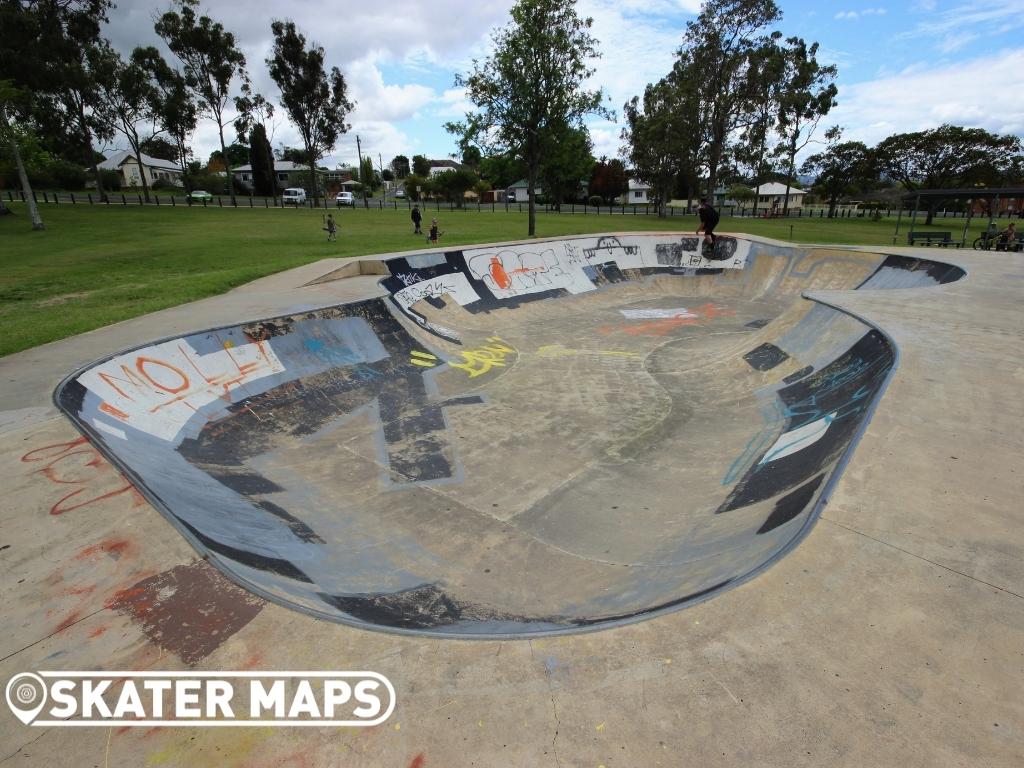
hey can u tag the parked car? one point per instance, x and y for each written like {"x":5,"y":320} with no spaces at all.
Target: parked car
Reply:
{"x":294,"y":195}
{"x":399,"y":193}
{"x":199,"y":194}
{"x":344,"y":198}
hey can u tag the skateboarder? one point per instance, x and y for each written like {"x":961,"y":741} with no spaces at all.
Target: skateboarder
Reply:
{"x":708,"y":221}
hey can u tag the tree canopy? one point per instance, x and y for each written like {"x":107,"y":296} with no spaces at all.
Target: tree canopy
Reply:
{"x":532,"y":84}
{"x":315,"y":99}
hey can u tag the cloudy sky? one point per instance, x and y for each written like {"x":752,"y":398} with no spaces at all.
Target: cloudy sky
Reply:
{"x":903,"y":64}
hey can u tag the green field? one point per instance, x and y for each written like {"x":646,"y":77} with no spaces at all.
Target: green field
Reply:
{"x":93,"y":266}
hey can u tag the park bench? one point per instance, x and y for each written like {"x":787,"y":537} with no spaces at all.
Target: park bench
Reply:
{"x":938,"y":238}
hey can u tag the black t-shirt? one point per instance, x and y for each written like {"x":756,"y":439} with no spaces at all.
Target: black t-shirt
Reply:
{"x":708,"y":215}
{"x":416,"y":215}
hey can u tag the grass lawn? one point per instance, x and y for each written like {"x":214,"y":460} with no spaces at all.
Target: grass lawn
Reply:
{"x":93,"y":266}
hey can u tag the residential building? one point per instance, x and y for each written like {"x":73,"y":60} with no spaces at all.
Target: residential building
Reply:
{"x":773,"y":195}
{"x":155,"y":169}
{"x":639,"y":193}
{"x":443,"y":166}
{"x":518,"y":192}
{"x":286,"y":173}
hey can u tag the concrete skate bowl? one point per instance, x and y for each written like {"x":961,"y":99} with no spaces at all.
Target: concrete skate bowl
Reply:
{"x":519,"y":439}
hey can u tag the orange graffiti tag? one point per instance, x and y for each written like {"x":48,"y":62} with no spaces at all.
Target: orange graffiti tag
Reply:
{"x":77,"y":463}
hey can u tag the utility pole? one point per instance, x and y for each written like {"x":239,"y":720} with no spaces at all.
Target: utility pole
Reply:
{"x":359,"y":151}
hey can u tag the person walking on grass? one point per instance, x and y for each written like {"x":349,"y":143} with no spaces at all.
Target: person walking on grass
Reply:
{"x":708,"y":221}
{"x":332,"y":229}
{"x":417,"y":217}
{"x":435,"y":235}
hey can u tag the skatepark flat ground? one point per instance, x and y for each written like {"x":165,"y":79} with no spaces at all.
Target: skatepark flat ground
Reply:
{"x":893,"y":634}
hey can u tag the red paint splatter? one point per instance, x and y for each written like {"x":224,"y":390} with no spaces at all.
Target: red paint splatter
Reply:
{"x":419,"y":761}
{"x":116,"y":548}
{"x":97,"y":632}
{"x":71,"y":619}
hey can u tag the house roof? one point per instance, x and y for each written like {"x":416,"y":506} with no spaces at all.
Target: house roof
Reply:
{"x":280,"y":166}
{"x":775,"y":188}
{"x":635,"y":184}
{"x":118,"y":159}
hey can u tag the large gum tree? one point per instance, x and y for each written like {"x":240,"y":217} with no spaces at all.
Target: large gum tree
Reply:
{"x":532,"y":84}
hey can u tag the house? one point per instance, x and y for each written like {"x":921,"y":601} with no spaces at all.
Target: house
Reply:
{"x":286,"y":172}
{"x":155,"y":168}
{"x":518,"y":193}
{"x":773,"y":195}
{"x":639,"y":193}
{"x":443,"y":166}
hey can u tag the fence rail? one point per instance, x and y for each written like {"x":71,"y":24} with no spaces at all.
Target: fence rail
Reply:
{"x":250,"y":201}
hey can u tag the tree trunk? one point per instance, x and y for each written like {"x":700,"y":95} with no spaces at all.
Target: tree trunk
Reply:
{"x":931,"y":214}
{"x":790,"y":173}
{"x":224,"y":157}
{"x":532,"y":191}
{"x":87,"y":135}
{"x":33,"y":208}
{"x":832,"y":202}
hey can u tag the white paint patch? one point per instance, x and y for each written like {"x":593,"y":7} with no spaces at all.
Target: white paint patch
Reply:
{"x":512,"y":272}
{"x":158,"y":389}
{"x":656,"y":314}
{"x":455,"y":285}
{"x":798,"y":439}
{"x":104,"y":427}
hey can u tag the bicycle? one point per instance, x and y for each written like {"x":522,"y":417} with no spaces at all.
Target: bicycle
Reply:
{"x":995,"y":241}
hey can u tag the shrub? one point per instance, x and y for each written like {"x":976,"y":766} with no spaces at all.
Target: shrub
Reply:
{"x":111,"y":179}
{"x":67,"y":175}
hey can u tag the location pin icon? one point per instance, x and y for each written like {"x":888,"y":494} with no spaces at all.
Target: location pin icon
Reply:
{"x":26,"y":696}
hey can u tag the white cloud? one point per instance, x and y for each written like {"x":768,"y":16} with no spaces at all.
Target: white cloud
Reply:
{"x":853,"y":15}
{"x":378,"y":101}
{"x":995,"y":17}
{"x":965,"y":94}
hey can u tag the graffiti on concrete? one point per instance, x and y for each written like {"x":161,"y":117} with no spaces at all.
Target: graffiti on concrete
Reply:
{"x":819,"y":415}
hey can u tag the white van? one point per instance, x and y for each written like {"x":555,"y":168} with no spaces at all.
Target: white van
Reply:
{"x":295,"y":195}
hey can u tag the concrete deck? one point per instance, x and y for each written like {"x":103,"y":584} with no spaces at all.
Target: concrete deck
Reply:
{"x":892,"y":635}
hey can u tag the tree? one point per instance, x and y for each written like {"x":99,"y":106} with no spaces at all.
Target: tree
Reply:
{"x":400,"y":166}
{"x":420,"y":165}
{"x":261,"y":158}
{"x":609,"y":179}
{"x":454,"y":184}
{"x":471,"y":156}
{"x":315,"y":101}
{"x":173,"y":104}
{"x":158,"y":146}
{"x":129,"y":98}
{"x":765,"y":68}
{"x":210,"y":58}
{"x":943,"y":157}
{"x":47,"y":84}
{"x":717,"y":49}
{"x":367,"y":176}
{"x":9,"y":135}
{"x":841,"y":169}
{"x":253,"y":109}
{"x":655,"y":134}
{"x":531,"y":84}
{"x":808,"y":93}
{"x":566,"y":164}
{"x":502,"y":171}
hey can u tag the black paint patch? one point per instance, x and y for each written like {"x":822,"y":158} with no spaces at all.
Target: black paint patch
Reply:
{"x":252,"y":559}
{"x":423,"y":607}
{"x":842,"y":392}
{"x":758,"y":323}
{"x":765,"y":357}
{"x":940,"y":273}
{"x":791,"y":505}
{"x":796,"y":376}
{"x":299,"y":528}
{"x":246,"y":484}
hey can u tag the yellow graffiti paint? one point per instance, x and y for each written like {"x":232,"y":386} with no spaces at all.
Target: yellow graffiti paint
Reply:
{"x":479,"y":361}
